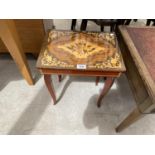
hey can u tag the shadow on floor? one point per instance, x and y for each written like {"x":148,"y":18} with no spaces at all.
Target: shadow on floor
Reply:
{"x":99,"y":117}
{"x":9,"y":70}
{"x":69,"y":80}
{"x":114,"y":104}
{"x":32,"y":114}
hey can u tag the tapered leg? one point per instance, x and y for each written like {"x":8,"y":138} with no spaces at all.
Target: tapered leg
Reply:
{"x":131,"y":118}
{"x":111,"y":28}
{"x":105,"y":78}
{"x":148,"y":22}
{"x":60,"y":78}
{"x":108,"y":83}
{"x":83,"y":25}
{"x":128,"y":21}
{"x":48,"y":82}
{"x":135,"y":20}
{"x":97,"y":80}
{"x":102,"y":28}
{"x":73,"y":24}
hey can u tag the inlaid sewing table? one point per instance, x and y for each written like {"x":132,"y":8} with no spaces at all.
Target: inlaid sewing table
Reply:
{"x":80,"y":54}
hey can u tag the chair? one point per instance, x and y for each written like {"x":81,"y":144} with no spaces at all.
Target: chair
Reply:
{"x":101,"y":22}
{"x":113,"y":23}
{"x":149,"y":22}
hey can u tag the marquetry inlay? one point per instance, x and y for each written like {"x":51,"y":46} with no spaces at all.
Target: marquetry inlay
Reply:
{"x":67,"y":49}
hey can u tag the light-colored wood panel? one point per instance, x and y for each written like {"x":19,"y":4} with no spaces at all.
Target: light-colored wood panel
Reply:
{"x":10,"y":38}
{"x":31,"y":33}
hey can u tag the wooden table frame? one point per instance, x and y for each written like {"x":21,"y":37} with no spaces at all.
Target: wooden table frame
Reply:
{"x":110,"y":77}
{"x":136,"y":71}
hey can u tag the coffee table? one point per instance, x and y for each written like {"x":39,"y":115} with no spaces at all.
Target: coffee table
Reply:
{"x":80,"y":54}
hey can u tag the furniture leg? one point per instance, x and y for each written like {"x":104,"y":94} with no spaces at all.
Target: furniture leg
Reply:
{"x":128,"y":21}
{"x":48,"y":82}
{"x":84,"y":25}
{"x":105,"y":78}
{"x":148,"y":22}
{"x":97,"y":80}
{"x":111,"y":28}
{"x":9,"y":36}
{"x":102,"y":28}
{"x":73,"y":24}
{"x":35,"y":55}
{"x":131,"y":118}
{"x":60,"y":78}
{"x":108,"y":83}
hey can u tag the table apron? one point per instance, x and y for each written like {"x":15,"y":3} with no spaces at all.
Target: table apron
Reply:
{"x":81,"y":72}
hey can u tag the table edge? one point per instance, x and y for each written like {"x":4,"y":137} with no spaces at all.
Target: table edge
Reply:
{"x":142,"y":69}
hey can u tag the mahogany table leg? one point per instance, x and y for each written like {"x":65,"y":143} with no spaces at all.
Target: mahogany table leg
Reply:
{"x":48,"y":82}
{"x":97,"y":80}
{"x":60,"y":78}
{"x":108,"y":83}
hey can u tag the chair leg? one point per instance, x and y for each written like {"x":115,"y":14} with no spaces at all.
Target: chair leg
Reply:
{"x":111,"y":28}
{"x":84,"y":25}
{"x":102,"y":28}
{"x":73,"y":24}
{"x":121,"y":22}
{"x":128,"y":21}
{"x":59,"y":78}
{"x":148,"y":22}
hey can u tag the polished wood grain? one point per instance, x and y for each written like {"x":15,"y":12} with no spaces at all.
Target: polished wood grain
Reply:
{"x":10,"y":38}
{"x":139,"y":75}
{"x":67,"y":49}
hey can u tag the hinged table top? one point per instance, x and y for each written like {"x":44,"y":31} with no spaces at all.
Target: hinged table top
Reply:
{"x":80,"y":50}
